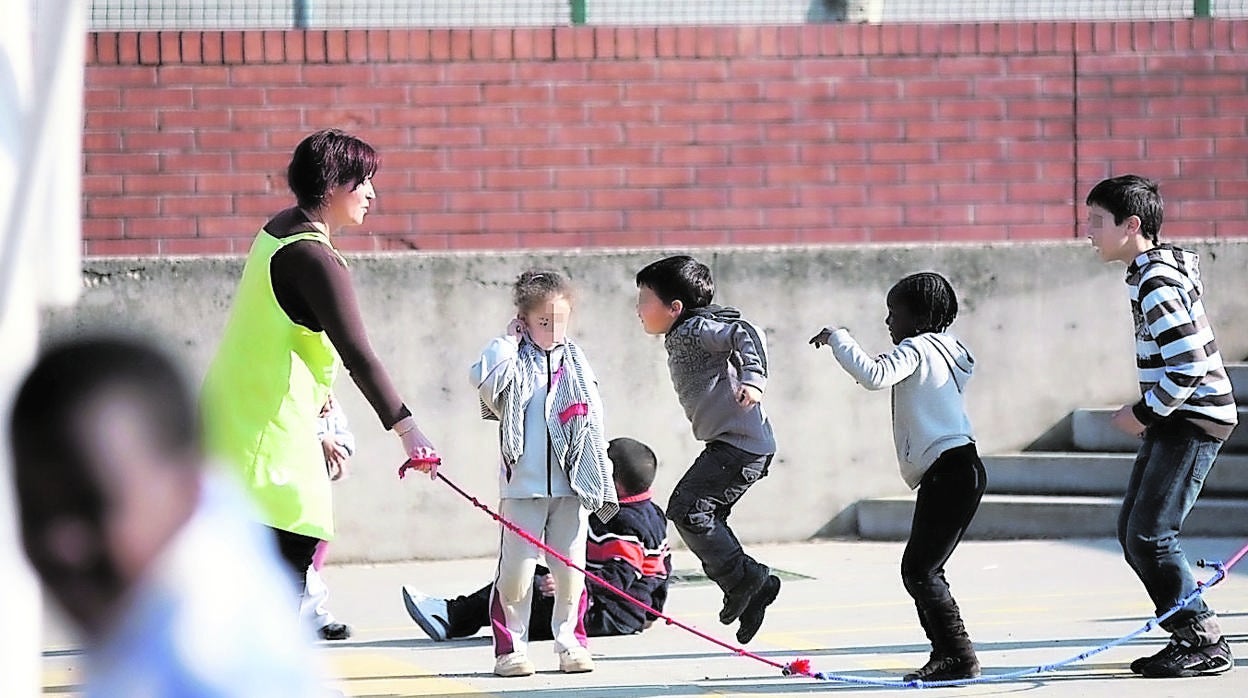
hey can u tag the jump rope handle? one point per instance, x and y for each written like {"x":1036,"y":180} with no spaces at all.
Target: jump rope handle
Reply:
{"x":416,"y":463}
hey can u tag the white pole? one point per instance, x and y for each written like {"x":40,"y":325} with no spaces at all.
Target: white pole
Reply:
{"x":40,"y":185}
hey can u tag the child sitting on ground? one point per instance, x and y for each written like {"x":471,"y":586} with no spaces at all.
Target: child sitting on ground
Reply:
{"x":630,"y":551}
{"x":338,"y":445}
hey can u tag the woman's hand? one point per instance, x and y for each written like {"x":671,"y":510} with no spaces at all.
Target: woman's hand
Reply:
{"x":419,"y":450}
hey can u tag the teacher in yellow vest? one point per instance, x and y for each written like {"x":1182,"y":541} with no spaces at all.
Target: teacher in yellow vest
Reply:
{"x":294,"y":321}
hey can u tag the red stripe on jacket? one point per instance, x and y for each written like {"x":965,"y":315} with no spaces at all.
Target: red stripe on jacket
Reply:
{"x":628,"y":551}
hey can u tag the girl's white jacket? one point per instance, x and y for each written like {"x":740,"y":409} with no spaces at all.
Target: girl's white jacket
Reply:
{"x":536,"y":474}
{"x":928,"y":374}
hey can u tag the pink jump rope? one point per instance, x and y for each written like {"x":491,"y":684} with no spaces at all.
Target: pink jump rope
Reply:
{"x":802,"y":667}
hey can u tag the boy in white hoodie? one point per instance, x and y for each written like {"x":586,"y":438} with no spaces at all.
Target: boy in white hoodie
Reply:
{"x":928,"y":372}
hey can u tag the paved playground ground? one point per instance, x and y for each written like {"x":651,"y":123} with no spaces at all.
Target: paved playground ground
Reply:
{"x":1026,"y":604}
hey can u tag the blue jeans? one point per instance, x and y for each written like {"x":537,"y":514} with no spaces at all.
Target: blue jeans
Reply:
{"x":1169,"y":472}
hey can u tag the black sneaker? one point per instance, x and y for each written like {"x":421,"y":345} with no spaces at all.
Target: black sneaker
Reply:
{"x":1187,"y":660}
{"x":1137,"y":667}
{"x":736,"y":600}
{"x":752,"y":617}
{"x":335,"y":631}
{"x":945,"y":669}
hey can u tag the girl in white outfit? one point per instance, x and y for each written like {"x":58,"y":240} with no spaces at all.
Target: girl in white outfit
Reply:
{"x":554,"y":468}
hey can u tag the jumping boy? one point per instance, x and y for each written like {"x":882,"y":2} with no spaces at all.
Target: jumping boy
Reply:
{"x":1184,"y":415}
{"x":718,"y":364}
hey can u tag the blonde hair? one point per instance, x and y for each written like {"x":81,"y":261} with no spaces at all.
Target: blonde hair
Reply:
{"x":533,"y":287}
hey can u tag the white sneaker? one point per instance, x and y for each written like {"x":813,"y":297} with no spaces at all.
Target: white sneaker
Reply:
{"x":514,"y":664}
{"x":428,"y":612}
{"x":576,"y":660}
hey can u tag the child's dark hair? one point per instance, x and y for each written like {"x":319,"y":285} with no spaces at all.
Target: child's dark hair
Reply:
{"x":48,"y":413}
{"x":930,"y":297}
{"x":533,"y":287}
{"x":1131,"y":195}
{"x":327,"y":159}
{"x":680,"y":278}
{"x":634,"y":465}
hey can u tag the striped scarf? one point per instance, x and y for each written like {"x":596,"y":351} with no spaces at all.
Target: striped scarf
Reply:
{"x":574,"y":427}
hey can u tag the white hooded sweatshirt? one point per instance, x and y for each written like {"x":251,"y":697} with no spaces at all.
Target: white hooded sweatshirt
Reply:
{"x":928,"y":374}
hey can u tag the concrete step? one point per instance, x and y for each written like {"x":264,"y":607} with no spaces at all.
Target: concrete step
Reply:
{"x":1238,"y":372}
{"x":1091,"y":431}
{"x":1025,"y":516}
{"x":1051,"y":473}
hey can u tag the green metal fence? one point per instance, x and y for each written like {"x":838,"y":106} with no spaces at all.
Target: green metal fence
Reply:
{"x":267,"y":14}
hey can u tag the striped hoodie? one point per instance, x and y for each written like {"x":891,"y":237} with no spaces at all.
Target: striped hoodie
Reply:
{"x":1180,"y":369}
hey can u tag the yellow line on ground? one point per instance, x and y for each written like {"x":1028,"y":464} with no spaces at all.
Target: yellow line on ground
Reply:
{"x":790,"y":641}
{"x":361,"y":674}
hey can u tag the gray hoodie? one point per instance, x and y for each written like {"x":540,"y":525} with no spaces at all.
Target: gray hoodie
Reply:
{"x":711,"y":352}
{"x":928,"y":374}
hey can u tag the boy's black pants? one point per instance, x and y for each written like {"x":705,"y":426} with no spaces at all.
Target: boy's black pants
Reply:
{"x":702,"y":501}
{"x":468,"y":614}
{"x":949,"y":495}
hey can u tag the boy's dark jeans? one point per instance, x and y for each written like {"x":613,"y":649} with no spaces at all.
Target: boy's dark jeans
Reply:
{"x":948,"y":498}
{"x":702,"y":501}
{"x":1169,"y":472}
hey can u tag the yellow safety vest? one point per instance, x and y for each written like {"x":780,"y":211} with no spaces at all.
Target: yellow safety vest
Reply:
{"x":261,"y":397}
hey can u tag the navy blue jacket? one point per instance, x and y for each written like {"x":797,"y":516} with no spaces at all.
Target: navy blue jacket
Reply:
{"x":631,"y":552}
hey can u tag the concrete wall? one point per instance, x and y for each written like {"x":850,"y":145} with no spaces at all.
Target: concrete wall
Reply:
{"x":1048,"y":323}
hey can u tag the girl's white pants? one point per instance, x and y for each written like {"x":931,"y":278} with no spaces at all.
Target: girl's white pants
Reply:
{"x":563,"y":525}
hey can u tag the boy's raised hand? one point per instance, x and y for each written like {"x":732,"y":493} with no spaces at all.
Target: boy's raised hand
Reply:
{"x":748,"y":395}
{"x":822,"y":338}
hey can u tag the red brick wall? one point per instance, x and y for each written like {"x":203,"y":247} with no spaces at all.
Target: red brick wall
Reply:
{"x":501,"y":138}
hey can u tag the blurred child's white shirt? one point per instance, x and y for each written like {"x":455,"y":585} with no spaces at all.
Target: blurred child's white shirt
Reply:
{"x":928,"y":374}
{"x":216,"y":616}
{"x":334,"y":423}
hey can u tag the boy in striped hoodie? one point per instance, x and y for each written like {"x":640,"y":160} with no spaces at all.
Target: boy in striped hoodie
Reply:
{"x":1185,"y":413}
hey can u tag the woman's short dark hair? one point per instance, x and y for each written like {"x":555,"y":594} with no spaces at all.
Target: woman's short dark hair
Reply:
{"x":327,"y":159}
{"x":679,"y":278}
{"x":930,"y":297}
